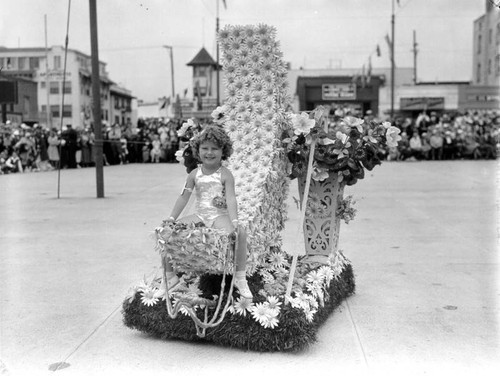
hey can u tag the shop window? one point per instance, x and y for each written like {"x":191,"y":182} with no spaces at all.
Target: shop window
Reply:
{"x":54,"y":87}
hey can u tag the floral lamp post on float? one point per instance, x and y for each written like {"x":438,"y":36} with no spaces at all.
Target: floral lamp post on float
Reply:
{"x":326,"y":154}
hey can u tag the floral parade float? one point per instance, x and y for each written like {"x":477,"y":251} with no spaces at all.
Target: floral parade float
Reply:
{"x":292,"y":295}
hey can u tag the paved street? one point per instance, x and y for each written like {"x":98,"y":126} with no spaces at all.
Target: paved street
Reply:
{"x":424,"y":248}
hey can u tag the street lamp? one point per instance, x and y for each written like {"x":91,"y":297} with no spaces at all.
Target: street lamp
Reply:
{"x":171,"y":69}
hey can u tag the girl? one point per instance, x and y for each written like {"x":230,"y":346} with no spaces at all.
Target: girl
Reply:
{"x":215,"y":198}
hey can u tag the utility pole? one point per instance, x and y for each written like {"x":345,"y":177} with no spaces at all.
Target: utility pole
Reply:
{"x":392,"y":61}
{"x":96,"y":99}
{"x":47,"y":98}
{"x":415,"y":51}
{"x":217,"y":53}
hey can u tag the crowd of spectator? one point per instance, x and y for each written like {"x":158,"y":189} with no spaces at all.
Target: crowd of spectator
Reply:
{"x":26,"y":148}
{"x":471,"y":135}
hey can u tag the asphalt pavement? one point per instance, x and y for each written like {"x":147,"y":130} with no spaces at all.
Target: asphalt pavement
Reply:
{"x":424,"y":248}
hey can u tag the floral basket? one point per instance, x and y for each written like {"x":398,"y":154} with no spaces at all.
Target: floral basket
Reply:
{"x":196,"y":248}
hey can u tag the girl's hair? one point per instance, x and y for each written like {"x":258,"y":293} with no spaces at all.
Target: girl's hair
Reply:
{"x":215,"y":134}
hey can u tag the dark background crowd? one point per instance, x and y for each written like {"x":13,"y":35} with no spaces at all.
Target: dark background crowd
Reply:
{"x":470,"y":135}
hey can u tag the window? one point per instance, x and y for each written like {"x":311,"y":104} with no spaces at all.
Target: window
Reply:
{"x":54,"y":109}
{"x":497,"y":65}
{"x":54,"y":87}
{"x":57,"y":62}
{"x":67,"y":87}
{"x":42,"y":85}
{"x":67,"y":110}
{"x":11,"y":63}
{"x":478,"y":73}
{"x":1,"y":62}
{"x":479,"y":40}
{"x":490,"y":36}
{"x":489,"y":66}
{"x":498,"y":34}
{"x":21,"y":63}
{"x":34,"y":63}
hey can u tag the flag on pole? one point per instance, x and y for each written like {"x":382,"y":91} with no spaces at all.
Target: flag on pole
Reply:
{"x":225,"y":5}
{"x":185,"y":92}
{"x":378,"y":51}
{"x":389,"y":43}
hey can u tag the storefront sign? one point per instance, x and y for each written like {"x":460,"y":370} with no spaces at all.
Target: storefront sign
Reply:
{"x":338,"y":91}
{"x":422,"y":103}
{"x":56,"y":75}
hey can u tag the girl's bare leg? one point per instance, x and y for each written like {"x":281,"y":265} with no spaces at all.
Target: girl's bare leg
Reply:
{"x":240,"y":281}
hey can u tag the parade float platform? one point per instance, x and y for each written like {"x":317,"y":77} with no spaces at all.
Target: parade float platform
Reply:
{"x":294,"y":333}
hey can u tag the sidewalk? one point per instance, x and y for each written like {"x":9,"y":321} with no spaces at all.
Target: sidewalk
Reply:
{"x":424,"y":248}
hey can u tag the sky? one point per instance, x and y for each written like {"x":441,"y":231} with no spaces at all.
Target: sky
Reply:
{"x":314,"y":34}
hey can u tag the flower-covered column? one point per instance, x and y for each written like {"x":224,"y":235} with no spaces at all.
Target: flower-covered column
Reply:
{"x":254,"y":118}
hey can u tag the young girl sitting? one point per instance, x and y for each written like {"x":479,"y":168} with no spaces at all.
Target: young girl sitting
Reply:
{"x":215,"y":198}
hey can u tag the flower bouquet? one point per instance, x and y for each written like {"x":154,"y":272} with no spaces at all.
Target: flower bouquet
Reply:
{"x":342,"y":145}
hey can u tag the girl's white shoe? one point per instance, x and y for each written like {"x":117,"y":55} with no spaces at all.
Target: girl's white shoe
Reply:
{"x":242,"y":287}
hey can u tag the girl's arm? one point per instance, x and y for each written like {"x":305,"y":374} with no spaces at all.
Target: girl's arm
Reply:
{"x":183,"y":199}
{"x":232,"y":205}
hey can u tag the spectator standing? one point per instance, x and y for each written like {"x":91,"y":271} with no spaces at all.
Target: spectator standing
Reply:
{"x":436,"y":142}
{"x":114,"y":136}
{"x":86,"y":145}
{"x":416,"y":146}
{"x":53,"y":149}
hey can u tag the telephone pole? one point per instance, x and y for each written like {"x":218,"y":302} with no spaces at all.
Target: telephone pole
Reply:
{"x":415,"y":51}
{"x":392,"y":61}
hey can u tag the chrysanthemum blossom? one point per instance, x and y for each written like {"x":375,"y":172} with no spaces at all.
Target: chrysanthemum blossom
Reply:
{"x":302,"y":124}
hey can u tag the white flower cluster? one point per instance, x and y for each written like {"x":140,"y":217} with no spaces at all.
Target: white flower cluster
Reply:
{"x":254,"y":117}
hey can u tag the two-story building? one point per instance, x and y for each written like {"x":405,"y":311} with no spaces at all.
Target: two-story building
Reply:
{"x":45,"y":67}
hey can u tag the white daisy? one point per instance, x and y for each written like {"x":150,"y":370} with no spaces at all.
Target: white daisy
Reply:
{"x":269,"y":104}
{"x":242,"y":305}
{"x":327,"y":274}
{"x":237,"y":32}
{"x":277,"y":259}
{"x":273,"y":302}
{"x":249,"y":31}
{"x":241,"y":108}
{"x":224,"y":34}
{"x":257,"y":86}
{"x":148,"y":297}
{"x":260,"y":312}
{"x":268,"y":128}
{"x":243,"y":71}
{"x":231,"y":68}
{"x":310,"y":314}
{"x":245,"y":95}
{"x":259,"y":110}
{"x":271,"y":322}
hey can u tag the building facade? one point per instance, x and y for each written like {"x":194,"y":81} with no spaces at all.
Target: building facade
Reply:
{"x":46,"y":69}
{"x":486,"y":47}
